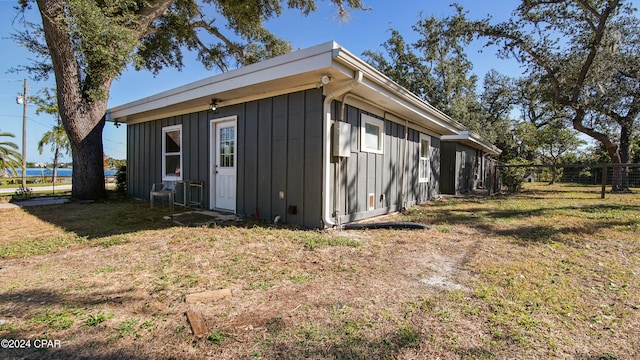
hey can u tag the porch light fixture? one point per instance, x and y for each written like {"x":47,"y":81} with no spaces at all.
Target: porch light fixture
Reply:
{"x":324,"y":80}
{"x":116,"y":124}
{"x":214,"y":105}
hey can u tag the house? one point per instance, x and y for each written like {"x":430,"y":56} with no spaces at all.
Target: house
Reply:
{"x":317,"y":137}
{"x":467,"y":163}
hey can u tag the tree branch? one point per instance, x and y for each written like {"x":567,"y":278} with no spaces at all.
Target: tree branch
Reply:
{"x":593,"y":49}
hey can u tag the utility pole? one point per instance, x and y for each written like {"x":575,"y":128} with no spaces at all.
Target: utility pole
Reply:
{"x":24,"y":136}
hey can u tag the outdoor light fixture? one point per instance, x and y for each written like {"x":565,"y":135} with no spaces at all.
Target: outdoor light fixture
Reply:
{"x":116,"y":124}
{"x":214,"y":105}
{"x":324,"y":80}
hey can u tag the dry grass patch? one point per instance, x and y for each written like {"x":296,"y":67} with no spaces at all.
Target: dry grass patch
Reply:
{"x":546,"y":273}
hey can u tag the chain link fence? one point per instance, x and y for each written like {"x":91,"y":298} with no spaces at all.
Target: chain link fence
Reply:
{"x":597,"y":178}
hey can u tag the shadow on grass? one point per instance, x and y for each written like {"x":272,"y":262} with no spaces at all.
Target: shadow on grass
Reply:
{"x":524,"y":225}
{"x":102,"y":219}
{"x":82,"y":342}
{"x":29,"y":304}
{"x":121,"y":216}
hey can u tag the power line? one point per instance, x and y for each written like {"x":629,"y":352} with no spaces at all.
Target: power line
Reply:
{"x":115,"y":142}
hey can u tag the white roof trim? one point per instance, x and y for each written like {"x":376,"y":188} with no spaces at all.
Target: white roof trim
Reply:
{"x":272,"y":69}
{"x":272,"y":76}
{"x":474,"y":140}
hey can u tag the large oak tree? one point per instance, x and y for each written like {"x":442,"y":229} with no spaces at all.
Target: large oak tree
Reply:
{"x":584,"y":57}
{"x":89,"y":43}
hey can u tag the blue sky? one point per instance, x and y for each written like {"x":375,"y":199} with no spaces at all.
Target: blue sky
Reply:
{"x":363,"y":31}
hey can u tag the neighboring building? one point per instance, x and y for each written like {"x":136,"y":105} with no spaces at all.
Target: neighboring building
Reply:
{"x":317,"y":137}
{"x":467,"y":163}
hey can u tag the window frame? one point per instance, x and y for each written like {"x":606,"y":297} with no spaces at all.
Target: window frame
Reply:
{"x":424,"y":161}
{"x":378,"y":123}
{"x":165,"y":153}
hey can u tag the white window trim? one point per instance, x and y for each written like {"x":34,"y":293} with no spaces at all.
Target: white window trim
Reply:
{"x":165,"y":130}
{"x":366,"y":119}
{"x":423,"y":160}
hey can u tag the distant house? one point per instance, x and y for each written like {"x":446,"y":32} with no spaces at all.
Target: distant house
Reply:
{"x":317,"y":137}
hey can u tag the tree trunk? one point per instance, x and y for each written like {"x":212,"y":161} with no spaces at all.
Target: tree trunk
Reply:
{"x":55,"y":164}
{"x":82,"y":117}
{"x":88,"y":170}
{"x":625,"y":147}
{"x":612,"y":148}
{"x":554,"y":175}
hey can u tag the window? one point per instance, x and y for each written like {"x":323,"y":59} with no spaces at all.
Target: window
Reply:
{"x":227,"y":147}
{"x":172,"y":152}
{"x":372,"y":134}
{"x":425,"y":163}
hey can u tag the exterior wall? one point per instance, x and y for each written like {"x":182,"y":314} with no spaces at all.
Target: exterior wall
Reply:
{"x":279,"y":149}
{"x":448,"y":168}
{"x":144,"y":152}
{"x":461,"y":168}
{"x":363,"y":173}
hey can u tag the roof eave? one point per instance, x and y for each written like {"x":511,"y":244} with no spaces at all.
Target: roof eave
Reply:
{"x":474,"y":140}
{"x":196,"y":96}
{"x":421,"y":109}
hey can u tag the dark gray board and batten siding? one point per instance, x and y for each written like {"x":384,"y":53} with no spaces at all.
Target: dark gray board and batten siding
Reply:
{"x":363,"y":173}
{"x":279,"y":149}
{"x":461,"y":170}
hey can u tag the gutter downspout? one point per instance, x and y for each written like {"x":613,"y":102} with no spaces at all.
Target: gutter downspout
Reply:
{"x":337,"y":204}
{"x":328,"y":218}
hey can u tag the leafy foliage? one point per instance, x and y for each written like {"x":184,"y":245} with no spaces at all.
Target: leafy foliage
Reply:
{"x":121,"y":179}
{"x":436,"y":68}
{"x":581,"y":57}
{"x":57,"y":136}
{"x":512,"y":177}
{"x":10,"y":158}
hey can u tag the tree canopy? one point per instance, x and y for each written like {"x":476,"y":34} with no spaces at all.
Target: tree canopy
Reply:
{"x":436,"y":68}
{"x":582,"y":55}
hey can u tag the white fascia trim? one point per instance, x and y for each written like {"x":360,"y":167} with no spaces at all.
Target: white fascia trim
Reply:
{"x":416,"y":109}
{"x":473,"y":139}
{"x":387,"y":114}
{"x":299,"y":62}
{"x":392,"y":90}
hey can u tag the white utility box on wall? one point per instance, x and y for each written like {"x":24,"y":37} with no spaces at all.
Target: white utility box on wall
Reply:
{"x":341,"y":139}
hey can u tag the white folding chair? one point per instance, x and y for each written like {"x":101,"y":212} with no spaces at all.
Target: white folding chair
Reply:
{"x":164,"y":189}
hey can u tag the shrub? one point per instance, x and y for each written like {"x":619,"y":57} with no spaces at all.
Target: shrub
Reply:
{"x":512,"y":177}
{"x":121,"y":179}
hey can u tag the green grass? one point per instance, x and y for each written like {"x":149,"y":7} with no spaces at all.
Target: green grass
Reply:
{"x":95,"y":319}
{"x":39,"y":246}
{"x":57,"y":320}
{"x":313,"y":241}
{"x":215,"y":338}
{"x":127,"y":328}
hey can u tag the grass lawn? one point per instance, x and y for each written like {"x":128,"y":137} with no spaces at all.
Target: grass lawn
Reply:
{"x":552,"y":272}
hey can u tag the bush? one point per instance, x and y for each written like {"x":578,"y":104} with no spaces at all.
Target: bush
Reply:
{"x":121,"y":179}
{"x":512,"y":177}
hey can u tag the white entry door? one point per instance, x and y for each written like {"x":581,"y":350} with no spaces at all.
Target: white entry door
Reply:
{"x":224,"y":164}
